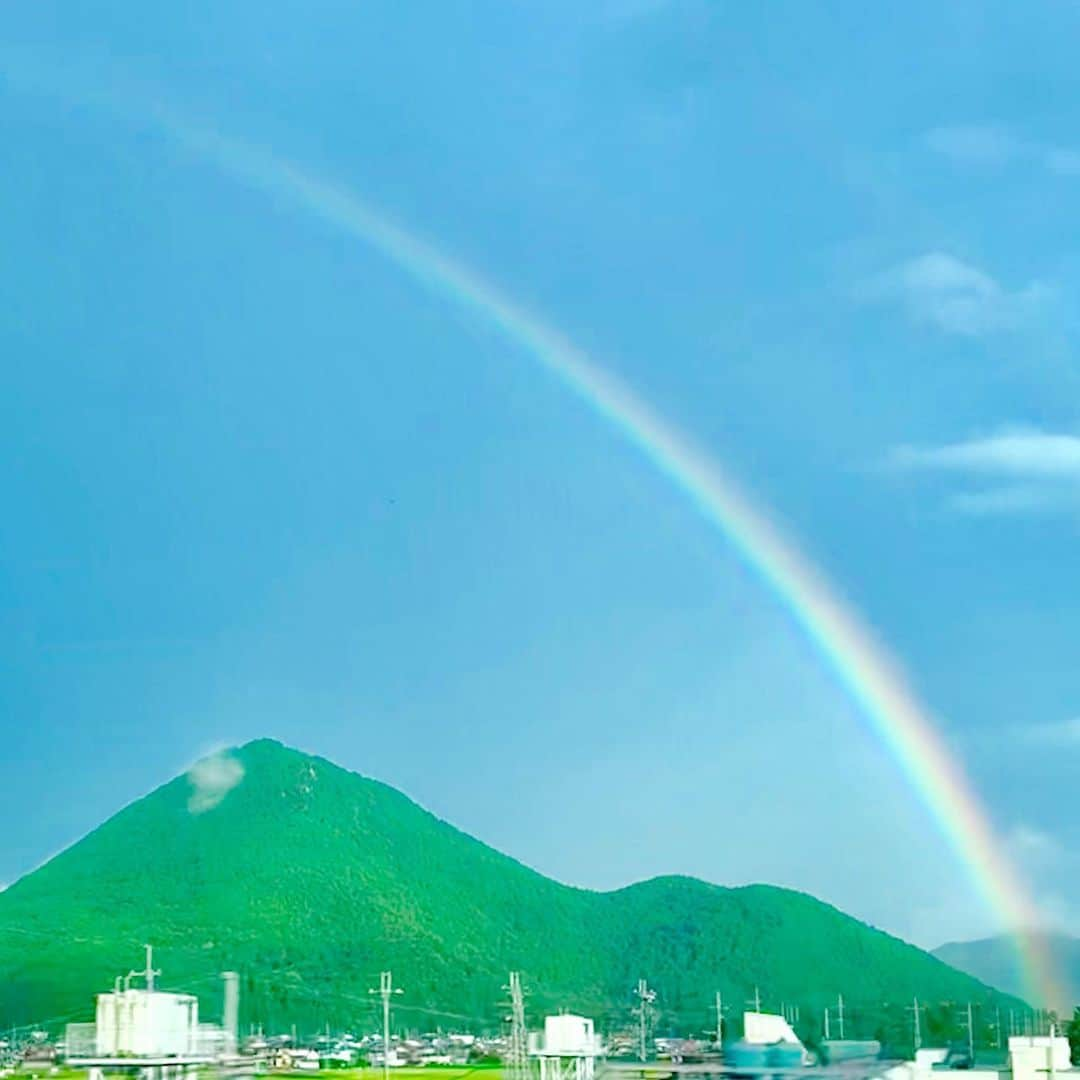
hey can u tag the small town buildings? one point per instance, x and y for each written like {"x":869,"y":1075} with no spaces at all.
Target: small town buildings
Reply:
{"x":1031,"y":1057}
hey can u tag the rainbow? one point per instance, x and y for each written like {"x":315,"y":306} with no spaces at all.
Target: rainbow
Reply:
{"x":846,"y":646}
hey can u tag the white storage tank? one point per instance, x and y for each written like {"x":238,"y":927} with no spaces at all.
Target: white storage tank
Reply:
{"x":568,"y":1035}
{"x":147,"y":1023}
{"x":567,"y":1049}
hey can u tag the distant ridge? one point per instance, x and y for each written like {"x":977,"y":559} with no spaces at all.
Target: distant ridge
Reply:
{"x":994,"y":960}
{"x":309,"y":879}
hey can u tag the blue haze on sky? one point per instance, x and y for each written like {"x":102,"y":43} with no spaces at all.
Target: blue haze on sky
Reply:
{"x":257,"y":481}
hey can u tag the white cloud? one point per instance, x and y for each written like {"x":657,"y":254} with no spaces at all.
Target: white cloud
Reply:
{"x":973,"y":145}
{"x":1062,"y":160}
{"x":1058,"y":733}
{"x":620,"y":10}
{"x":1019,"y":499}
{"x":1033,"y":849}
{"x":943,"y":291}
{"x":1047,"y":867}
{"x":1017,"y":453}
{"x":211,"y":780}
{"x":982,"y":146}
{"x":1023,"y":470}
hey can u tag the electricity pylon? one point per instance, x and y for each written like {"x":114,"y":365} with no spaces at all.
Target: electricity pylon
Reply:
{"x":643,"y":1011}
{"x":518,"y":1057}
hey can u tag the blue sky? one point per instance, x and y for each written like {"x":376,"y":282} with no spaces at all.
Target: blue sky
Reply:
{"x":259,"y":482}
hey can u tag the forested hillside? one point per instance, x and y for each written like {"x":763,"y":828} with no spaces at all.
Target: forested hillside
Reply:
{"x":308,"y":880}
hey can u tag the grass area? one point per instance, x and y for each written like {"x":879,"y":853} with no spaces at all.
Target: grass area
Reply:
{"x":366,"y":1072}
{"x":41,"y":1069}
{"x":407,"y":1072}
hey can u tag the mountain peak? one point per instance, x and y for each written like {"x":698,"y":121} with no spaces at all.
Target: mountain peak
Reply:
{"x":265,"y":747}
{"x":308,"y":878}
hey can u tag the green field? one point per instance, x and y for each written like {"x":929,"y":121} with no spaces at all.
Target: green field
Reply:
{"x":443,"y":1072}
{"x":407,"y":1072}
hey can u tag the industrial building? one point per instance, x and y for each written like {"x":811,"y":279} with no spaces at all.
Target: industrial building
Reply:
{"x":156,"y":1031}
{"x":1031,"y":1057}
{"x":566,"y":1049}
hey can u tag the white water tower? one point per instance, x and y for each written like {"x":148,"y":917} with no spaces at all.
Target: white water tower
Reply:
{"x":567,"y":1048}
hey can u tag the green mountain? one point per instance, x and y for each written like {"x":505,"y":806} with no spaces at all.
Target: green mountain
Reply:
{"x":308,"y":880}
{"x":994,"y":960}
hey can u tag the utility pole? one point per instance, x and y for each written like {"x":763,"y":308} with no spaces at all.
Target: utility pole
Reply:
{"x":149,"y":973}
{"x":756,"y":999}
{"x":519,"y":1035}
{"x":386,"y":991}
{"x":643,"y":1010}
{"x":997,"y":1028}
{"x":970,"y":1033}
{"x":827,"y":1023}
{"x":917,"y":1034}
{"x":840,"y":1015}
{"x":719,"y":1019}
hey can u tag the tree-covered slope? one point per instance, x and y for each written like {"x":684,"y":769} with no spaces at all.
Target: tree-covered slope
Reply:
{"x":309,"y":880}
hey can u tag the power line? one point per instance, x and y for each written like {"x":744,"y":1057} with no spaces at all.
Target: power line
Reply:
{"x":321,"y":996}
{"x":68,"y":938}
